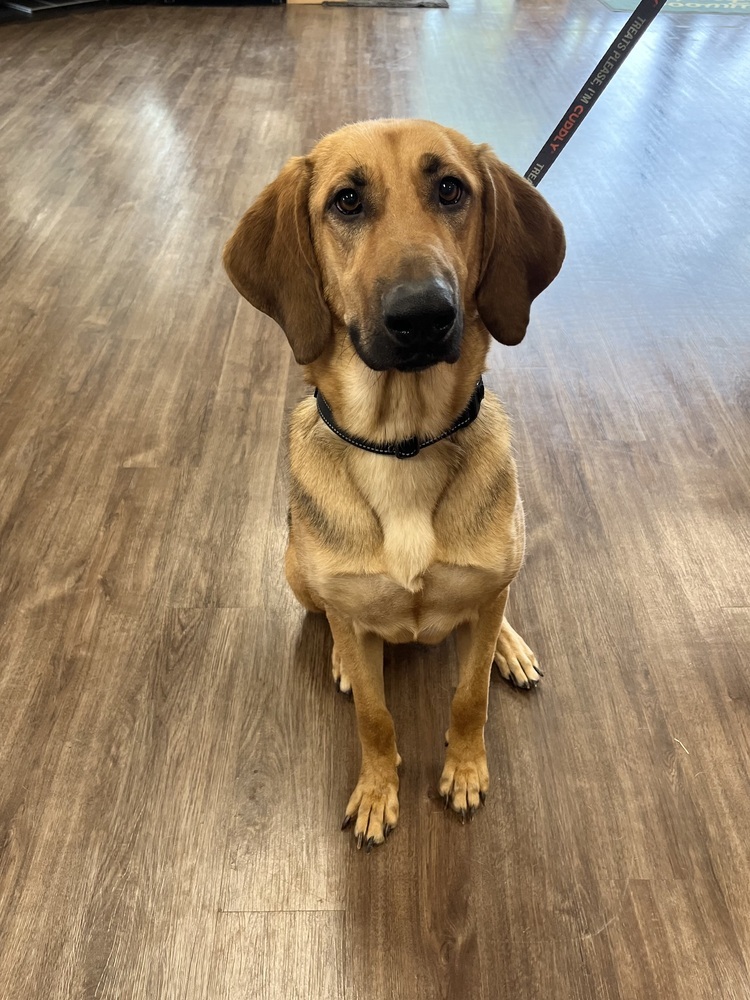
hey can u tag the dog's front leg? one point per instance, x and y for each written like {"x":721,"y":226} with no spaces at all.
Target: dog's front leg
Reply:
{"x":374,"y":801}
{"x":465,"y":777}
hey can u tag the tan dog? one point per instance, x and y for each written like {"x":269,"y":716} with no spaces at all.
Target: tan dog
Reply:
{"x":389,"y":256}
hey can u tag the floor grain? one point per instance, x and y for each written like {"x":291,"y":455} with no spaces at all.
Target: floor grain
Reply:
{"x":174,"y":760}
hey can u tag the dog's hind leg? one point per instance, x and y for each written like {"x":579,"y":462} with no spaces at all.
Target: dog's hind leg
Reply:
{"x":340,"y":675}
{"x":515,"y":661}
{"x":296,"y":580}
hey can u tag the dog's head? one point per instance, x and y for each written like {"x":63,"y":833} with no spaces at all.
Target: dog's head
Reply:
{"x":402,"y":232}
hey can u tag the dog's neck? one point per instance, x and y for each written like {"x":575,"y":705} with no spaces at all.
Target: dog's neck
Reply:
{"x":392,"y":406}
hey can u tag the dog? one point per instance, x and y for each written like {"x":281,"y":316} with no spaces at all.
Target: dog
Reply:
{"x":389,"y":256}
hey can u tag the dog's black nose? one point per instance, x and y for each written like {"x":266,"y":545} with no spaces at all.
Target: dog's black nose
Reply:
{"x":419,"y":312}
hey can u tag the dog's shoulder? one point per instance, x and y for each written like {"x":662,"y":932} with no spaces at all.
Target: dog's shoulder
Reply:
{"x":322,"y":494}
{"x":482,"y":496}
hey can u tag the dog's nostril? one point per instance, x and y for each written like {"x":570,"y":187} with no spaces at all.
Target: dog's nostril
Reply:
{"x":444,"y":323}
{"x":421,"y":325}
{"x":408,"y":323}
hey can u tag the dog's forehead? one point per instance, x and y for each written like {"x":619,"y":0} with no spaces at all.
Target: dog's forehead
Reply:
{"x":392,"y":147}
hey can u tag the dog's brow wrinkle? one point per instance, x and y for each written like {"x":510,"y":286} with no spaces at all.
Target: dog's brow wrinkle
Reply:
{"x":431,"y":163}
{"x":357,"y":177}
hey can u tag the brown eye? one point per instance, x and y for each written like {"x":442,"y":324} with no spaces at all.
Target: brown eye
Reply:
{"x":348,"y":202}
{"x":450,"y":191}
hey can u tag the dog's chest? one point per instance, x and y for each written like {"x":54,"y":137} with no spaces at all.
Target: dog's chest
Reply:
{"x":404,"y":502}
{"x":448,"y":595}
{"x":419,"y":574}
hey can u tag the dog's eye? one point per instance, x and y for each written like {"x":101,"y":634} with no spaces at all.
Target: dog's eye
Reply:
{"x":348,"y":202}
{"x":450,"y":191}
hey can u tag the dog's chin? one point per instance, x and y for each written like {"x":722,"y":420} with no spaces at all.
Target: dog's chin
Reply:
{"x":420,"y":363}
{"x":381,"y":355}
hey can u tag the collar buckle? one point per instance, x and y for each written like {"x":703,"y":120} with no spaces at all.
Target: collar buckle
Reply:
{"x":406,"y":449}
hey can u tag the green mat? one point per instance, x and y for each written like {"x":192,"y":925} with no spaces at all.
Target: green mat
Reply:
{"x":688,"y":6}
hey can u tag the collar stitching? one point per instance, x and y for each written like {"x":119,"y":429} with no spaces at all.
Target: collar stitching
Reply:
{"x":398,"y":449}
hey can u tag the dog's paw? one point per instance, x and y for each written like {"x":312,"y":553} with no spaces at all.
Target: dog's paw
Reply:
{"x":464,"y":781}
{"x":373,"y":806}
{"x":515,"y":661}
{"x":340,"y":675}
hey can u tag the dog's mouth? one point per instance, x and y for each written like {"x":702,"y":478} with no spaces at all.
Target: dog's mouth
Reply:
{"x":381,"y":351}
{"x":421,"y":362}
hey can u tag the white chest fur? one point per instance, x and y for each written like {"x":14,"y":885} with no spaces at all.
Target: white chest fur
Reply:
{"x":404,"y":501}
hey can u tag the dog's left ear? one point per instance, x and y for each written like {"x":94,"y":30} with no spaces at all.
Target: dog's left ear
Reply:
{"x":271,"y":261}
{"x":522,"y":251}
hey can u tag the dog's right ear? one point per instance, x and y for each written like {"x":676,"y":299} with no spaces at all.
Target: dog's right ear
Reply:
{"x":271,"y":261}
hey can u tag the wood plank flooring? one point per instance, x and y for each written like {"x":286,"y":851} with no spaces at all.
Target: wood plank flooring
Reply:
{"x":174,"y":760}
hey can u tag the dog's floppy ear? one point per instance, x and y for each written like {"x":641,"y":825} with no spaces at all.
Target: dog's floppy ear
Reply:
{"x":523,"y":249}
{"x":271,"y":261}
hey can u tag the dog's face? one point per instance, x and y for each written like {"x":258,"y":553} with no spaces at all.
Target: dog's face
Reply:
{"x":396,"y":221}
{"x":401,"y":232}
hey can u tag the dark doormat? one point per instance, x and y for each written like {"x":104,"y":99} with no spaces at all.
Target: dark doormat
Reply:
{"x":688,"y":6}
{"x":195,"y":3}
{"x":199,"y":3}
{"x":28,"y":7}
{"x":387,"y":3}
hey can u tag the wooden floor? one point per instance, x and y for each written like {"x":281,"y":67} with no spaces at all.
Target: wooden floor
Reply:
{"x":174,"y":759}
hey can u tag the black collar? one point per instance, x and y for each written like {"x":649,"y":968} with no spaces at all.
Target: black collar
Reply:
{"x":411,"y":446}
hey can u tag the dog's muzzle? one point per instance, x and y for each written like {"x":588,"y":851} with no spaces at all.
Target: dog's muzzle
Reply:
{"x":419,"y":313}
{"x":421,"y":323}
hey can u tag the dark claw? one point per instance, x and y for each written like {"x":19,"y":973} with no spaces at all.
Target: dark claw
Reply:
{"x":446,"y":800}
{"x":472,"y":812}
{"x":347,"y":822}
{"x":360,"y":841}
{"x":386,"y":830}
{"x":369,"y":845}
{"x":519,"y":685}
{"x":463,"y":816}
{"x":539,"y":671}
{"x":482,"y":797}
